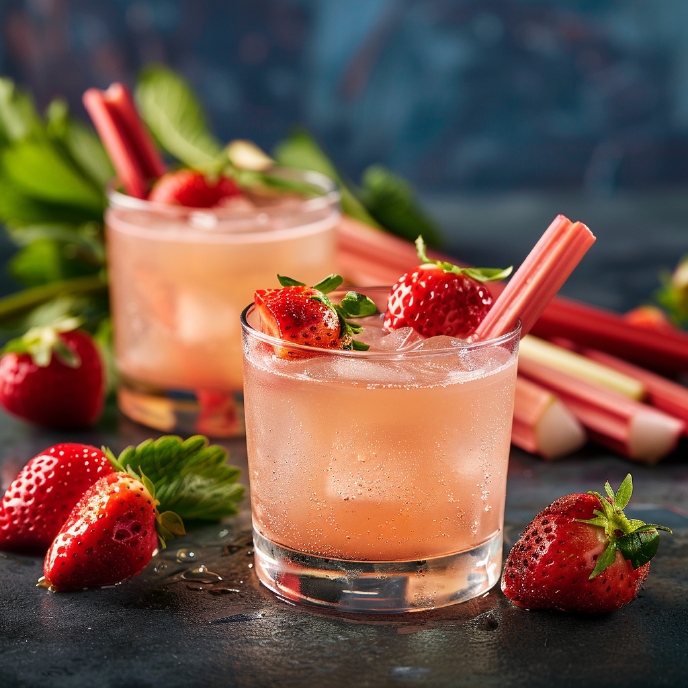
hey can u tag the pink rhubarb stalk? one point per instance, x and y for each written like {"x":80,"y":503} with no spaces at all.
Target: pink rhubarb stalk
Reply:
{"x":539,"y":278}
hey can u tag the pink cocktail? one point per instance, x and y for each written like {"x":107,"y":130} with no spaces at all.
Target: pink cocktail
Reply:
{"x":179,"y":279}
{"x":378,"y":478}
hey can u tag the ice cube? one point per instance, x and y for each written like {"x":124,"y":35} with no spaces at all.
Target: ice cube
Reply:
{"x":403,"y":339}
{"x":440,"y":342}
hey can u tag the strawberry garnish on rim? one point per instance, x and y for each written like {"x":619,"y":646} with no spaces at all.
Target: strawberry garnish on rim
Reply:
{"x":304,"y":315}
{"x":439,"y":298}
{"x":582,"y":554}
{"x":193,"y":189}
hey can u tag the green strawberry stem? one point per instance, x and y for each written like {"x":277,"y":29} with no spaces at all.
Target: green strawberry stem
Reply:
{"x":637,"y":541}
{"x":42,"y":342}
{"x":353,"y":305}
{"x":478,"y":274}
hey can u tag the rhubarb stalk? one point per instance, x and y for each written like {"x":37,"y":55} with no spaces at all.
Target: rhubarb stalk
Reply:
{"x":628,"y":427}
{"x":542,"y":424}
{"x":663,"y":394}
{"x":125,"y":138}
{"x":538,"y":279}
{"x":580,"y":366}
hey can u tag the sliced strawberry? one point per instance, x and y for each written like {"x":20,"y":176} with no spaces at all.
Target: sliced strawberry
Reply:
{"x":192,"y":189}
{"x":41,"y":497}
{"x":54,"y":377}
{"x":295,"y":314}
{"x":111,"y":534}
{"x":581,"y":554}
{"x":441,"y":299}
{"x":304,"y":315}
{"x":651,"y":318}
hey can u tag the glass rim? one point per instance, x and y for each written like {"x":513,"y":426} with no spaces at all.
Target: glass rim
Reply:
{"x":331,"y":195}
{"x":462,"y":345}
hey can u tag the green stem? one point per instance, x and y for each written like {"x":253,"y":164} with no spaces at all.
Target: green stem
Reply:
{"x":15,"y":304}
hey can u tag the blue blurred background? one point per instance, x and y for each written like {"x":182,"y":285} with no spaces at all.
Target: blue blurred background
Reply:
{"x":501,"y":112}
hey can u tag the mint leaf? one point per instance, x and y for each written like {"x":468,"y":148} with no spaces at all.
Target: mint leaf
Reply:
{"x":40,"y":171}
{"x":191,"y":478}
{"x":175,"y":116}
{"x":391,"y":200}
{"x":330,"y":283}
{"x":360,"y":346}
{"x":300,"y":150}
{"x":357,"y":305}
{"x":289,"y":282}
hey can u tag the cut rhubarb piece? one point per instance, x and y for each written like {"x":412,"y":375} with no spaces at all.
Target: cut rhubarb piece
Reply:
{"x":542,"y":424}
{"x":628,"y":427}
{"x":539,"y":278}
{"x":663,"y":394}
{"x":125,"y":138}
{"x":599,"y":329}
{"x":574,"y":364}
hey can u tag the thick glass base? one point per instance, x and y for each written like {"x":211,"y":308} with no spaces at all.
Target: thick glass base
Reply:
{"x":203,"y":412}
{"x":378,"y":587}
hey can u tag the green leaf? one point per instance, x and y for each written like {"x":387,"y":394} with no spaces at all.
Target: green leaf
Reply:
{"x":488,"y":274}
{"x":172,"y":523}
{"x":17,"y":208}
{"x":606,"y":506}
{"x":38,"y":263}
{"x":191,"y":478}
{"x":18,"y":116}
{"x":639,"y":546}
{"x":360,"y":346}
{"x":623,"y":494}
{"x":289,"y":282}
{"x":357,"y":305}
{"x":174,"y":115}
{"x":391,"y":200}
{"x":609,"y":491}
{"x":606,"y":560}
{"x":104,"y":338}
{"x":600,"y":521}
{"x":300,"y":150}
{"x":19,"y":303}
{"x":40,"y":171}
{"x":330,"y":283}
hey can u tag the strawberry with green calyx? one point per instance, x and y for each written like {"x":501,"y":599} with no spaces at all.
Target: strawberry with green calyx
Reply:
{"x":305,"y":315}
{"x":53,"y":376}
{"x":111,"y":534}
{"x":439,"y":298}
{"x":582,"y":554}
{"x":119,"y":522}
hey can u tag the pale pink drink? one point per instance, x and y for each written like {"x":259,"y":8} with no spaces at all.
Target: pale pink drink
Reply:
{"x":378,"y":478}
{"x":179,"y":279}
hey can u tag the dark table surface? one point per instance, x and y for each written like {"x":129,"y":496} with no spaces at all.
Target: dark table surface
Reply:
{"x":171,"y":627}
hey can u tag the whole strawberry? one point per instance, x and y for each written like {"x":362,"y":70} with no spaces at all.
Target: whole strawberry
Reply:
{"x":305,"y":315}
{"x":40,"y":499}
{"x":53,"y":376}
{"x":192,"y":189}
{"x":439,"y":298}
{"x":111,"y":534}
{"x":581,"y":554}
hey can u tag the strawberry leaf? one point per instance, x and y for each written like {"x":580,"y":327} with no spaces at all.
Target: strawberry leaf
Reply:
{"x":606,"y":560}
{"x":190,"y":476}
{"x":359,"y":346}
{"x":623,"y":494}
{"x":289,"y":282}
{"x":478,"y":274}
{"x":329,"y":284}
{"x":639,"y":546}
{"x":357,"y":305}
